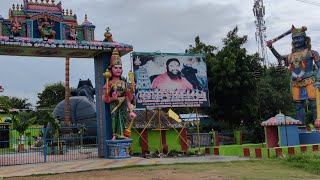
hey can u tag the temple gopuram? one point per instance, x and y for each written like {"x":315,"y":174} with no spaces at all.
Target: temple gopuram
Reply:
{"x":40,"y":23}
{"x":42,"y":28}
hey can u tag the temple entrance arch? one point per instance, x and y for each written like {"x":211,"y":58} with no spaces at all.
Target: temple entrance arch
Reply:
{"x":43,"y":29}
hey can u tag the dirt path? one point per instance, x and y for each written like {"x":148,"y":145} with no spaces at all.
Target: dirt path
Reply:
{"x":267,"y":169}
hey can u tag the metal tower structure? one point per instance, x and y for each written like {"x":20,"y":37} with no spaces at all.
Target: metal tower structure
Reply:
{"x":259,"y":12}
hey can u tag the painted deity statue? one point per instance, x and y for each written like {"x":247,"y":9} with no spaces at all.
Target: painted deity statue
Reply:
{"x":119,"y":94}
{"x":73,"y":32}
{"x":300,"y":62}
{"x":46,"y":28}
{"x":108,"y":36}
{"x":16,"y":27}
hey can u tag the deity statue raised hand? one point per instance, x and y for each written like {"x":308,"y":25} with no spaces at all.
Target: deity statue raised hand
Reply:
{"x":46,"y":28}
{"x":119,"y":94}
{"x":300,"y":62}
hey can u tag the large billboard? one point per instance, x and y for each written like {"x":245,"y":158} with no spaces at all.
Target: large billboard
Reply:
{"x":170,"y":80}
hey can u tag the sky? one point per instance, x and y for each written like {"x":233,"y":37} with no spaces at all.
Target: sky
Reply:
{"x":168,"y":26}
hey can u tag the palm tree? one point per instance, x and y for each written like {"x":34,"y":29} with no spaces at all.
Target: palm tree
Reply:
{"x":82,"y":131}
{"x":20,"y":123}
{"x":55,"y":126}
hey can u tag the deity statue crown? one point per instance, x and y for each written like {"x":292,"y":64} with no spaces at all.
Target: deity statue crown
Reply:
{"x":299,"y":31}
{"x":115,"y":58}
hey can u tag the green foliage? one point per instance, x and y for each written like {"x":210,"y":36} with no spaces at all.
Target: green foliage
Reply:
{"x":82,"y":129}
{"x":238,"y":98}
{"x":14,"y":102}
{"x":19,"y":103}
{"x":201,"y":48}
{"x":33,"y":130}
{"x":51,"y":95}
{"x":274,"y":93}
{"x":307,"y":161}
{"x":54,"y":125}
{"x":4,"y":103}
{"x":22,"y":122}
{"x":232,"y":87}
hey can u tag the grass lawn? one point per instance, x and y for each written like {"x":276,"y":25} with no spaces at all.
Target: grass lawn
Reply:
{"x":252,"y":169}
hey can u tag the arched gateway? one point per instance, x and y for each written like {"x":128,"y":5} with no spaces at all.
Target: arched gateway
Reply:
{"x":44,"y":29}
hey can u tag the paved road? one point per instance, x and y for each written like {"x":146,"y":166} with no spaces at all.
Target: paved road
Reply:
{"x":99,"y":163}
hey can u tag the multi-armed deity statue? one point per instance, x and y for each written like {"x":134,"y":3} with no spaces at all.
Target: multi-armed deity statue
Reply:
{"x":301,"y":61}
{"x":45,"y":27}
{"x":119,"y":94}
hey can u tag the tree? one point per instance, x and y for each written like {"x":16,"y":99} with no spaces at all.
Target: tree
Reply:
{"x":51,"y":95}
{"x":14,"y":102}
{"x":232,"y":87}
{"x":19,"y":103}
{"x":274,"y":93}
{"x":21,"y":123}
{"x":202,"y":48}
{"x":4,"y":103}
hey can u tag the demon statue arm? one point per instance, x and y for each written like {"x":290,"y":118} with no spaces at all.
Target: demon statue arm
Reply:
{"x":280,"y":58}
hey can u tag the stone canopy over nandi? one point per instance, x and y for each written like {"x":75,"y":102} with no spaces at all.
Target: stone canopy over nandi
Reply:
{"x":44,"y":28}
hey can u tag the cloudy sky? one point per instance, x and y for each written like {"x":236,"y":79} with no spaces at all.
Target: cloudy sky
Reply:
{"x":152,"y":25}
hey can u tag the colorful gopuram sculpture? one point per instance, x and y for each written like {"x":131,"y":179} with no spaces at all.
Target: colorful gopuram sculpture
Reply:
{"x":119,"y":94}
{"x":108,"y":35}
{"x":15,"y":27}
{"x":46,"y":28}
{"x":42,"y":19}
{"x":300,"y":61}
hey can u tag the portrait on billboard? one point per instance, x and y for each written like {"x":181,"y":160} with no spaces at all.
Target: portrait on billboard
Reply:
{"x":170,"y":80}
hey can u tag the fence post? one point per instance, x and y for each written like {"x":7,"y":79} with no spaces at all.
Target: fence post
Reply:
{"x":238,"y":137}
{"x":215,"y":138}
{"x":45,"y":144}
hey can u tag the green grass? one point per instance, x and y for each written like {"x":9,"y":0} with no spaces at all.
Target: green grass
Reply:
{"x":307,"y":161}
{"x":252,"y":169}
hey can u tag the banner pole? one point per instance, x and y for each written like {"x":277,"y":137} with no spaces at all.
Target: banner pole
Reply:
{"x":160,"y":130}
